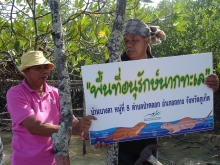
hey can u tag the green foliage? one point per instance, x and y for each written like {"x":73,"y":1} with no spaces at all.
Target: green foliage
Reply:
{"x":191,"y":26}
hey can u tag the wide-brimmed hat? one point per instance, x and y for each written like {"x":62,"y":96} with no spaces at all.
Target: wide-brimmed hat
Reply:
{"x":33,"y":58}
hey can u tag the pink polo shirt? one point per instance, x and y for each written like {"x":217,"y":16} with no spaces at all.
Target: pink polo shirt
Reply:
{"x":23,"y":102}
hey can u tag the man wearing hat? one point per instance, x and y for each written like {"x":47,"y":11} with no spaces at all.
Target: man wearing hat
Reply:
{"x":137,"y":36}
{"x":34,"y":107}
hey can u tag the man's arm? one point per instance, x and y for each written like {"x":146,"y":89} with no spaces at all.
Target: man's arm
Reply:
{"x":37,"y":127}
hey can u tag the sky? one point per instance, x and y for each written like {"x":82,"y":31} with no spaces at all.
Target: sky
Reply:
{"x":155,"y":2}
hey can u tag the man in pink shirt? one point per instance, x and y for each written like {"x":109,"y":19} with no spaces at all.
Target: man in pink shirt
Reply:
{"x":34,"y":107}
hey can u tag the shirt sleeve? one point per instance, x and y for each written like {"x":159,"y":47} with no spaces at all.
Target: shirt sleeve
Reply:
{"x":18,"y":106}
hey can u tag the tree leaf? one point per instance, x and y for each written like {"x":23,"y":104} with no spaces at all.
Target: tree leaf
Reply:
{"x":88,"y":61}
{"x":38,"y":9}
{"x":79,"y":57}
{"x":17,"y":45}
{"x":162,"y":12}
{"x":13,"y":31}
{"x":73,"y":59}
{"x":76,"y":3}
{"x":81,"y":3}
{"x":183,"y":23}
{"x":83,"y":36}
{"x":77,"y":69}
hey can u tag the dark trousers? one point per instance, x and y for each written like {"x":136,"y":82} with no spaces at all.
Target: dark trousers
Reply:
{"x":129,"y":152}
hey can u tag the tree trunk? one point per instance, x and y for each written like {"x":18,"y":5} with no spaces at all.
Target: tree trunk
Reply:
{"x":62,"y":138}
{"x":113,"y":45}
{"x":115,"y":39}
{"x":1,"y":152}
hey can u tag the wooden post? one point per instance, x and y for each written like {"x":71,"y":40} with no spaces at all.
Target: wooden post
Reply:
{"x":62,"y":138}
{"x":1,"y":152}
{"x":84,"y":114}
{"x":114,"y":56}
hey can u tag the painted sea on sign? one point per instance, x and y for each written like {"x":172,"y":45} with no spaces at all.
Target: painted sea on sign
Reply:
{"x":152,"y":130}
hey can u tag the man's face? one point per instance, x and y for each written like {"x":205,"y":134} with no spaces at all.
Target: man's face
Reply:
{"x":37,"y":75}
{"x":135,"y":46}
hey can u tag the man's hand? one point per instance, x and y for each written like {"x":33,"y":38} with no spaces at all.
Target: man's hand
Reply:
{"x":100,"y":145}
{"x":83,"y":126}
{"x":212,"y":82}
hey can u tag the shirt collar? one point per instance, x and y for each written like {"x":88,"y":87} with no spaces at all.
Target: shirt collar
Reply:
{"x":47,"y":88}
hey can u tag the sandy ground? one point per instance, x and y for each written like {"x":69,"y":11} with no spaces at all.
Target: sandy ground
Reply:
{"x":188,"y":149}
